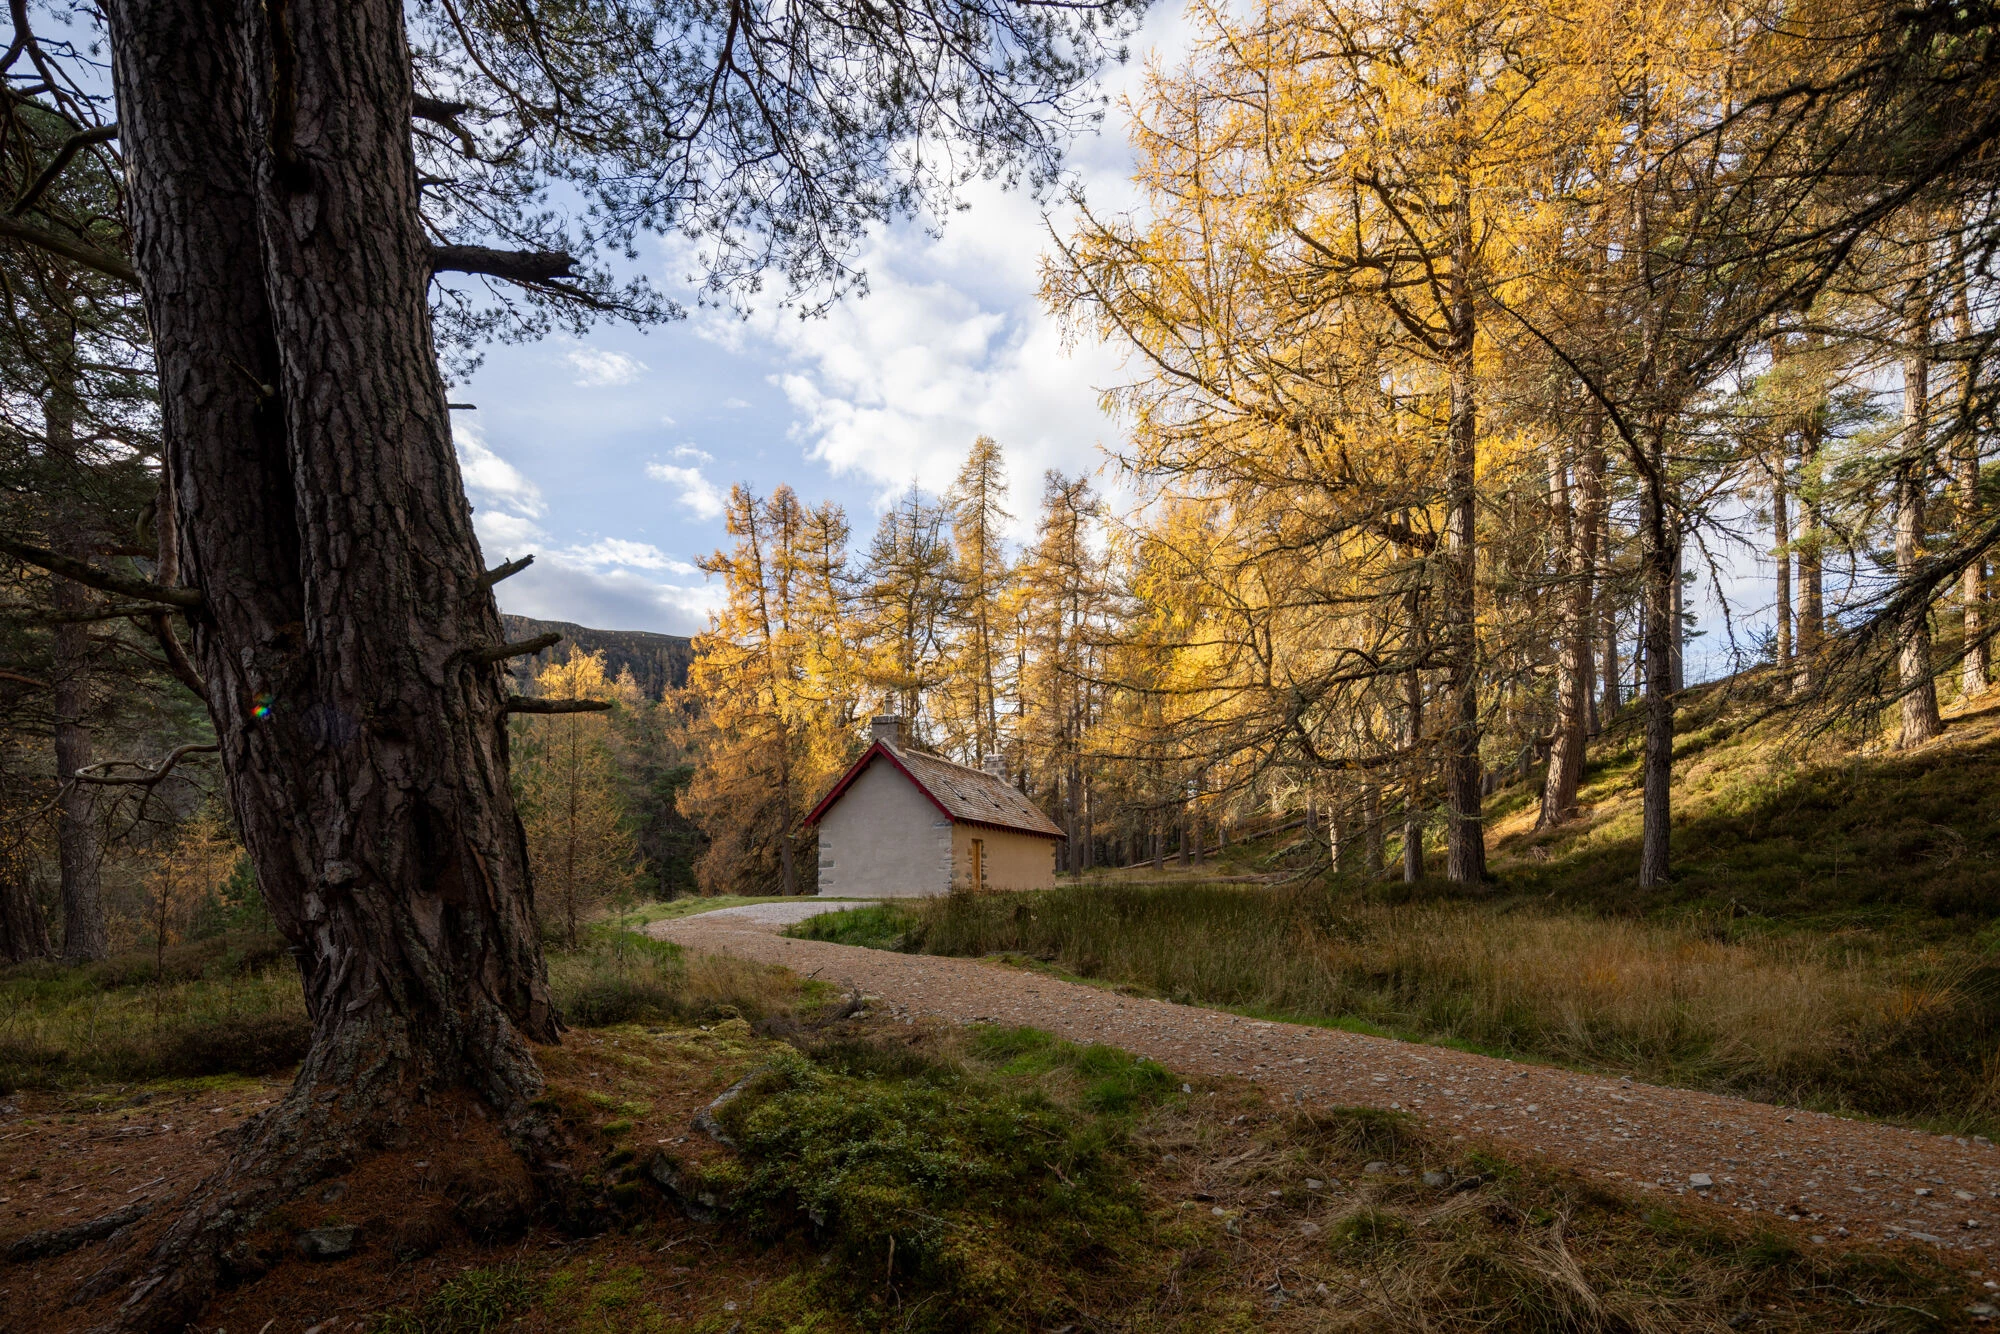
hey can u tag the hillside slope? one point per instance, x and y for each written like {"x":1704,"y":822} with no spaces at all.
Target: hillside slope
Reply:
{"x":657,"y":662}
{"x":1774,"y":819}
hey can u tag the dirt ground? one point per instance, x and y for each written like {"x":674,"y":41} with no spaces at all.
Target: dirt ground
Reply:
{"x":67,"y":1158}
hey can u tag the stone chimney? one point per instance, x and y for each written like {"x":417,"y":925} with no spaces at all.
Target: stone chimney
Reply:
{"x":887,"y":728}
{"x":995,"y":766}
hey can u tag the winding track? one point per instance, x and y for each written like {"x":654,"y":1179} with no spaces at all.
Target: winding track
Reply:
{"x":1840,"y":1179}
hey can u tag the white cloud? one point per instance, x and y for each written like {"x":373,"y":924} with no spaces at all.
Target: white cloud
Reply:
{"x":490,"y":478}
{"x":897,"y":385}
{"x":692,"y":452}
{"x":505,"y":504}
{"x":951,"y":342}
{"x":506,"y":534}
{"x":735,"y":404}
{"x":633,"y":555}
{"x":599,"y":368}
{"x":696,"y":492}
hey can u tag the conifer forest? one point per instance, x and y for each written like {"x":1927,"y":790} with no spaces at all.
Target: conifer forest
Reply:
{"x":1523,"y":626}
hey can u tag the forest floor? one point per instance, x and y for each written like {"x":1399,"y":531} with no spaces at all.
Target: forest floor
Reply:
{"x":876,"y":1170}
{"x":1837,"y":1179}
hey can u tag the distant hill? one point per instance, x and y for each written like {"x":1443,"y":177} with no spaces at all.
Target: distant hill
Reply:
{"x":656,"y":661}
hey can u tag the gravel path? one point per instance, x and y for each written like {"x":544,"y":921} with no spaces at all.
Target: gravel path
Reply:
{"x":1840,"y":1178}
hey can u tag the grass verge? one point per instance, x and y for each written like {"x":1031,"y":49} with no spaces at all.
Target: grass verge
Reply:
{"x":1827,"y":1021}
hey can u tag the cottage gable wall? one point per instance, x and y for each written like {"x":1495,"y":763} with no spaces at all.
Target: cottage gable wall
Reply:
{"x":884,"y":839}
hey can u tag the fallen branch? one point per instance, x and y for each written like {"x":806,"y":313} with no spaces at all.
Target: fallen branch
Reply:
{"x":520,"y":648}
{"x":24,"y":680}
{"x":523,"y":704}
{"x":83,"y":572}
{"x":101,"y":775}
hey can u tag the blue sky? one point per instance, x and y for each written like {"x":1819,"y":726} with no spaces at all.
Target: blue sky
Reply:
{"x":608,"y":457}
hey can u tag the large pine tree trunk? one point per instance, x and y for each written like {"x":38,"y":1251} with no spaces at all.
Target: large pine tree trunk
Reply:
{"x":1920,"y":720}
{"x":321,"y":515}
{"x":78,"y":856}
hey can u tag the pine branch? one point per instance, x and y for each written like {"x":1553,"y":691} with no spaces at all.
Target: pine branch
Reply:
{"x":101,"y":775}
{"x":83,"y":572}
{"x":506,"y":571}
{"x":76,"y":252}
{"x":523,"y":704}
{"x":534,"y":268}
{"x":518,"y":649}
{"x":75,"y":144}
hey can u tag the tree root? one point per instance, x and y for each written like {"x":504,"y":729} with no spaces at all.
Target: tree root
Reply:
{"x":63,"y":1240}
{"x":233,"y":1226}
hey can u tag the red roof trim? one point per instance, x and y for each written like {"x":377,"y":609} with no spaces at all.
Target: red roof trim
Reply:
{"x":854,"y":772}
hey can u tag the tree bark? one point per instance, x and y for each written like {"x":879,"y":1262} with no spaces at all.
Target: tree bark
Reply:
{"x":1977,"y":663}
{"x":1781,"y":547}
{"x":1661,"y":564}
{"x":23,"y":934}
{"x":1915,"y":684}
{"x":1413,"y":783}
{"x":1578,"y":525}
{"x":1466,"y":853}
{"x":1811,"y":579}
{"x":1371,"y":826}
{"x":78,"y":856}
{"x":321,"y":514}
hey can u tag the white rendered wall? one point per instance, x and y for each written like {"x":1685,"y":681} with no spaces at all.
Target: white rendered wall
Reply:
{"x":884,"y":839}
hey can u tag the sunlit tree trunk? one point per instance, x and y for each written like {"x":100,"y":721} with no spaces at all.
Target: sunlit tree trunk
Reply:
{"x":1413,"y":782}
{"x":1781,"y":548}
{"x":1811,"y":534}
{"x":1977,"y":663}
{"x":1466,"y":844}
{"x":1917,"y":688}
{"x":1577,"y":525}
{"x":1660,"y":566}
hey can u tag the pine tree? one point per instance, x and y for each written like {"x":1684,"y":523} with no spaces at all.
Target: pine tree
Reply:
{"x":982,"y":576}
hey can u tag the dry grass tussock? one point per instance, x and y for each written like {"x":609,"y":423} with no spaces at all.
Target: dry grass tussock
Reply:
{"x":1827,"y":1019}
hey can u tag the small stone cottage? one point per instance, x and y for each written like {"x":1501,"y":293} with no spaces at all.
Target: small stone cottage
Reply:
{"x":902,"y":824}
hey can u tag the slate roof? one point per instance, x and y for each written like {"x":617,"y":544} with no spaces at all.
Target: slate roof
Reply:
{"x":967,"y":796}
